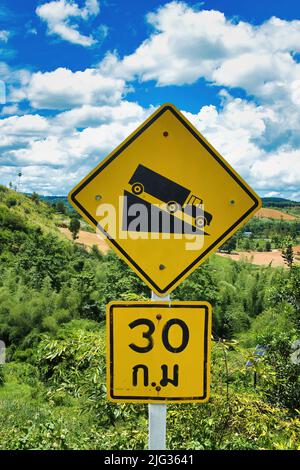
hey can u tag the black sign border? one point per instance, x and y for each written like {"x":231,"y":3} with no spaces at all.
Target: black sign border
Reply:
{"x":118,"y":152}
{"x":200,"y":307}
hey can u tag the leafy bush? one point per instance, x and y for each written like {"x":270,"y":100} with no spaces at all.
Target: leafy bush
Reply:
{"x":11,"y":221}
{"x":75,"y":363}
{"x":11,"y":202}
{"x":53,"y":296}
{"x":285,"y":389}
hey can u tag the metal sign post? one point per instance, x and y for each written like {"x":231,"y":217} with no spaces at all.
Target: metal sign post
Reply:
{"x":157,"y":412}
{"x":157,"y":426}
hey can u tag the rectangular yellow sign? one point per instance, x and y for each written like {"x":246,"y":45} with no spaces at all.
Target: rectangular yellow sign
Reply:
{"x":158,"y":351}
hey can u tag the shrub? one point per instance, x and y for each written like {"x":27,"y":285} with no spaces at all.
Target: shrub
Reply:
{"x":11,"y":202}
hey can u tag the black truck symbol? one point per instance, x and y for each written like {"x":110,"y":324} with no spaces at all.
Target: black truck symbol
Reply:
{"x":174,"y":195}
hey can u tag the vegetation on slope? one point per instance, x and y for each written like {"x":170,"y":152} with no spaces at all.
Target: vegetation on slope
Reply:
{"x":52,"y":305}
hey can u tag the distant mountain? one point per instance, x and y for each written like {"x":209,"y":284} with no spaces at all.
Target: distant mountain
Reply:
{"x":53,"y":199}
{"x":278,"y":202}
{"x":266,"y":201}
{"x":56,"y":199}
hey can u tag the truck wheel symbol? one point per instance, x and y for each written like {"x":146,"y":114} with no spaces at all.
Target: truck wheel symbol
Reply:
{"x":200,"y":221}
{"x":172,"y":207}
{"x":137,"y":188}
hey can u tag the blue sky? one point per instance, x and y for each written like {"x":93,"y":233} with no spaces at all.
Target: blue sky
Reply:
{"x":80,"y":75}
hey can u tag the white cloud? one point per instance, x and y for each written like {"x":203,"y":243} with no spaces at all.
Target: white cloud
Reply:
{"x":188,"y":44}
{"x":40,"y":178}
{"x":15,"y":80}
{"x":42,"y":145}
{"x":48,"y":152}
{"x":90,"y":117}
{"x":94,"y":116}
{"x":233,"y":131}
{"x":75,"y":141}
{"x":58,"y":15}
{"x":11,"y":110}
{"x":240,"y":130}
{"x":4,"y":35}
{"x":295,"y":92}
{"x":279,"y":169}
{"x":64,"y":89}
{"x":21,"y":125}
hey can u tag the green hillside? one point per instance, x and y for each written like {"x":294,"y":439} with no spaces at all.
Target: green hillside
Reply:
{"x":31,"y":210}
{"x":53,"y":296}
{"x":278,"y":202}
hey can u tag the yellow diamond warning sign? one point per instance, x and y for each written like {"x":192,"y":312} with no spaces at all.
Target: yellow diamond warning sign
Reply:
{"x":158,"y":351}
{"x":165,"y":199}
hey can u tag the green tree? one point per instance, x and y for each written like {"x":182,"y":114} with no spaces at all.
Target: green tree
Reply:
{"x":74,"y":227}
{"x":60,"y":207}
{"x":287,"y":251}
{"x":230,"y":244}
{"x":35,"y":198}
{"x":268,"y":246}
{"x":247,"y":245}
{"x":276,"y":240}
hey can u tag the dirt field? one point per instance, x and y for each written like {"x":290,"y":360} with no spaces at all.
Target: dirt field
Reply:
{"x":272,"y":258}
{"x":256,"y":257}
{"x":263,"y":258}
{"x":87,"y":239}
{"x":274,"y":214}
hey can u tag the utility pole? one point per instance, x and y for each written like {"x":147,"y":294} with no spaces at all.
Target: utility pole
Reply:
{"x":19,"y":181}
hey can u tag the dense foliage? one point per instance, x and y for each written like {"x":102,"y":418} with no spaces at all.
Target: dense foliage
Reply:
{"x":53,"y":295}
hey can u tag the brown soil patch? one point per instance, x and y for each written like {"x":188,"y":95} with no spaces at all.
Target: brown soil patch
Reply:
{"x":87,"y":239}
{"x":262,"y":258}
{"x":274,"y":214}
{"x":296,"y":250}
{"x":274,"y":257}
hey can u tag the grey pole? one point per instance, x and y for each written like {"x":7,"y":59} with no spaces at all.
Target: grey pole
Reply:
{"x":157,"y":412}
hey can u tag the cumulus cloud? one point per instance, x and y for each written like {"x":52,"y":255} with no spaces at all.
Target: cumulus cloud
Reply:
{"x":15,"y":80}
{"x":11,"y":109}
{"x":94,"y":116}
{"x":282,"y":167}
{"x":64,"y":89}
{"x":75,"y":141}
{"x":61,"y":153}
{"x":89,"y":115}
{"x":240,"y":132}
{"x":62,"y":17}
{"x":188,"y":44}
{"x":40,"y":178}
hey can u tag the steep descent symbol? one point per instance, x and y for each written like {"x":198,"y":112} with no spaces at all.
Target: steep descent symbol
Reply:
{"x":168,"y":178}
{"x":170,"y":208}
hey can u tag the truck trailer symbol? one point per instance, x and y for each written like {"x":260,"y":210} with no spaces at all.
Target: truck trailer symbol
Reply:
{"x":174,"y":195}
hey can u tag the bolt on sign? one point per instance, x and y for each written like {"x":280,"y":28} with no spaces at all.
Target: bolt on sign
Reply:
{"x":165,"y":199}
{"x":158,"y":352}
